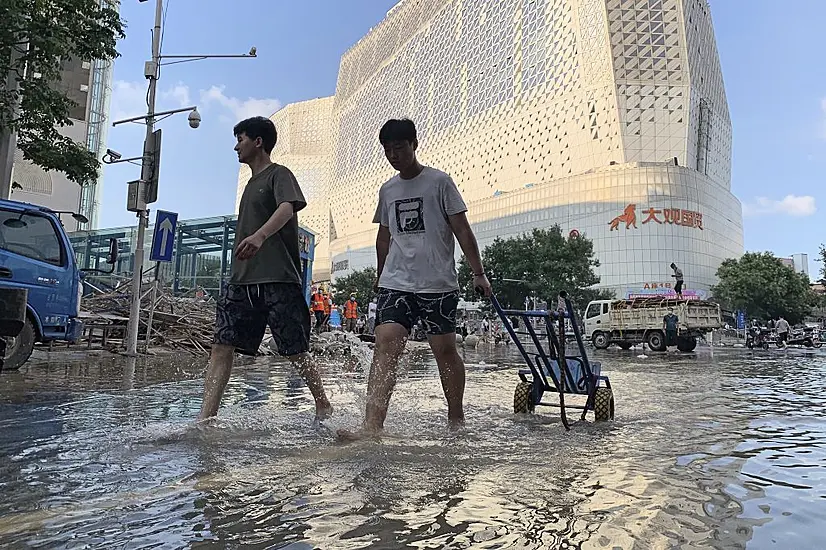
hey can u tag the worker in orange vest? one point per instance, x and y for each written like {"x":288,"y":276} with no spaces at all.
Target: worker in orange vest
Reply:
{"x":317,"y":305}
{"x":351,"y":314}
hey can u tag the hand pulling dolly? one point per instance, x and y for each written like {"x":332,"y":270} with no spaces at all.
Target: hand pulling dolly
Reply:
{"x":577,"y":374}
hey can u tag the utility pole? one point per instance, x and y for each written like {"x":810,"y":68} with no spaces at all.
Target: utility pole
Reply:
{"x":144,"y":191}
{"x":8,"y":136}
{"x":151,"y":72}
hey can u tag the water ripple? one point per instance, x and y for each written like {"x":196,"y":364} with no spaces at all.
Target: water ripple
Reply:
{"x":726,"y":452}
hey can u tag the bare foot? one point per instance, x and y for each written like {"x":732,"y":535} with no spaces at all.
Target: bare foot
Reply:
{"x":323,"y":412}
{"x":351,"y":436}
{"x":454,"y":424}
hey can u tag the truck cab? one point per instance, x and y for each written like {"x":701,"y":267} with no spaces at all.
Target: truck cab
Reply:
{"x":36,"y":255}
{"x":597,"y":317}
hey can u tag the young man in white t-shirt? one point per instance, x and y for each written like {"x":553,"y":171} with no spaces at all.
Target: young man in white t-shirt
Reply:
{"x":419,"y":213}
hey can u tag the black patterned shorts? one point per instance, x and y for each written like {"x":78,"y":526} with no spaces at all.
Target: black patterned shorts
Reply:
{"x":244,"y":311}
{"x":436,"y":310}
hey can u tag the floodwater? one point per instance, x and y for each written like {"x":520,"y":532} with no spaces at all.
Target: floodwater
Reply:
{"x":723,"y":450}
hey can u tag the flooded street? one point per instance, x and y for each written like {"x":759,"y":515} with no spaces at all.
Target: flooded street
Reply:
{"x":723,"y":451}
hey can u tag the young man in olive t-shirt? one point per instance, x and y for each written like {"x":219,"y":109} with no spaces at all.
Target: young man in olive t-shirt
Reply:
{"x":265,"y":280}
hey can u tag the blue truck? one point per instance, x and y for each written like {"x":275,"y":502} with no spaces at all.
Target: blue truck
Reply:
{"x":36,"y":255}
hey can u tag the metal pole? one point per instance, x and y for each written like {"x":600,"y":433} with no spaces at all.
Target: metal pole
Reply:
{"x":152,"y":308}
{"x":137,"y":275}
{"x":8,"y":137}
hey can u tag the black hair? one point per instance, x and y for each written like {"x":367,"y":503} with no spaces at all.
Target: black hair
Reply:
{"x":397,"y":130}
{"x":258,"y":127}
{"x":673,"y":264}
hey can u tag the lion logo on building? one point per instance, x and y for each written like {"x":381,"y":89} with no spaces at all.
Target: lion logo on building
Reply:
{"x":629,"y":216}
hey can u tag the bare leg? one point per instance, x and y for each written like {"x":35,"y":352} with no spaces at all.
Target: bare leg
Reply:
{"x":220,"y":366}
{"x":390,"y":341}
{"x":452,"y":374}
{"x":308,"y":370}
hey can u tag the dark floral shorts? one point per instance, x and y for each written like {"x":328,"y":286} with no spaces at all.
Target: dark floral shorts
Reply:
{"x":436,"y":310}
{"x":244,"y":311}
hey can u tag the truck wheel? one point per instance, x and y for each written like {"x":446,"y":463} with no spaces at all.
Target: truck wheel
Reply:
{"x":600,"y":340}
{"x":686,"y":344}
{"x":523,"y":398}
{"x":624,"y":345}
{"x":19,"y":348}
{"x":656,"y":340}
{"x":603,"y":404}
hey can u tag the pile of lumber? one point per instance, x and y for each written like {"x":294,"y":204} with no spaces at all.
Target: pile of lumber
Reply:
{"x":179,"y":323}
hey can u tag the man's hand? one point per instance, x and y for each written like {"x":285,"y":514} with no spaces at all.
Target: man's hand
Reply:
{"x":250,"y":246}
{"x":481,"y":284}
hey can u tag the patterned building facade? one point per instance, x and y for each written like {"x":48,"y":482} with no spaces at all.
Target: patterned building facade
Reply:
{"x":607,"y":117}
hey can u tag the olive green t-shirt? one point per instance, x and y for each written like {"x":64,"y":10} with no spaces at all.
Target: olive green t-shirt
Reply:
{"x":277,"y":261}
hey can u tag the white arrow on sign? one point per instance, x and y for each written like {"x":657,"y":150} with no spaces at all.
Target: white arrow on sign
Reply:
{"x":166,"y":232}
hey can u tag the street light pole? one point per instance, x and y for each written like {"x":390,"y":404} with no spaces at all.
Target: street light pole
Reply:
{"x":8,"y":137}
{"x":143,"y":218}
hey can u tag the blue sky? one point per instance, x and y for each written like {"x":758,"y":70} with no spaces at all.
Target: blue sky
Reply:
{"x":772,"y":64}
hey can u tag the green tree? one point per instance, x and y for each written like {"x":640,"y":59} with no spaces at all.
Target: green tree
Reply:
{"x":36,"y":36}
{"x":541,"y":262}
{"x":823,"y":263}
{"x":361,"y":282}
{"x":761,"y":286}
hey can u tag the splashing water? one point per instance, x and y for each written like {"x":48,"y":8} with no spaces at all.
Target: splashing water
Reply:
{"x":706,"y":452}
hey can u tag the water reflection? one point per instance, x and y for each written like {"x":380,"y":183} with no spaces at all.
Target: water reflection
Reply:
{"x":706,"y":452}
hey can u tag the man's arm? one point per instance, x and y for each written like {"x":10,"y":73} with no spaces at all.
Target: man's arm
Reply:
{"x":467,"y":241}
{"x":382,"y":249}
{"x":250,"y":246}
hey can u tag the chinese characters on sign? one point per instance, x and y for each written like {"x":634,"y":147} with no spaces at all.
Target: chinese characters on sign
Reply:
{"x":340,"y":266}
{"x":673,"y":216}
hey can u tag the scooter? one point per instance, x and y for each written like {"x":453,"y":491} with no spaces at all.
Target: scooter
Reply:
{"x":758,"y":337}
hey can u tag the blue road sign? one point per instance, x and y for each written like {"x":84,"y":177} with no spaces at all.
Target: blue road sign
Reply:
{"x":741,"y":320}
{"x":163,"y":238}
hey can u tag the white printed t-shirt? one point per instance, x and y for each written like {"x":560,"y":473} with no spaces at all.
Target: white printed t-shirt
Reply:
{"x":422,"y":243}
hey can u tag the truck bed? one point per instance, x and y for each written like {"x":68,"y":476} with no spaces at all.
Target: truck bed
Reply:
{"x":648,"y":313}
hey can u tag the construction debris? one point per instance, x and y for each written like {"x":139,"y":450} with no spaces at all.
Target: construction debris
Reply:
{"x":179,"y":323}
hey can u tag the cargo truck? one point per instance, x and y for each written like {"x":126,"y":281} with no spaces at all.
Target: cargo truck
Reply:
{"x":625,"y":323}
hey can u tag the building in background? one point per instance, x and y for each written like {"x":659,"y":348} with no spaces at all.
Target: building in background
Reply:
{"x":607,"y":117}
{"x":800,"y":262}
{"x":89,"y":84}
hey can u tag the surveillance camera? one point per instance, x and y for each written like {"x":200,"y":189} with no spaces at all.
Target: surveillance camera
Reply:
{"x":114,"y":155}
{"x":194,"y":118}
{"x":253,"y":51}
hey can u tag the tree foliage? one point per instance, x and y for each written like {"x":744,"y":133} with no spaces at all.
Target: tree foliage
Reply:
{"x":761,"y":286}
{"x":361,"y":282}
{"x":42,"y":34}
{"x":543,"y":262}
{"x":823,"y":263}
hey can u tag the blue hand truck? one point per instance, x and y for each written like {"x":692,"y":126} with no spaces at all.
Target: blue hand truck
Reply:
{"x":575,"y":375}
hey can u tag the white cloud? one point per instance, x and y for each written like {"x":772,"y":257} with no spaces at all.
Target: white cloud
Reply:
{"x":790,"y":205}
{"x":128,"y":99}
{"x":240,"y":109}
{"x":180,"y":94}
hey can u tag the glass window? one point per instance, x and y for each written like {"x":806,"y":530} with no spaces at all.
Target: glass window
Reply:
{"x":592,"y":311}
{"x":31,"y":235}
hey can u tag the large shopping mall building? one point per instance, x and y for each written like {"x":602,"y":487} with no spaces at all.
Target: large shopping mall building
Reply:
{"x":607,"y":117}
